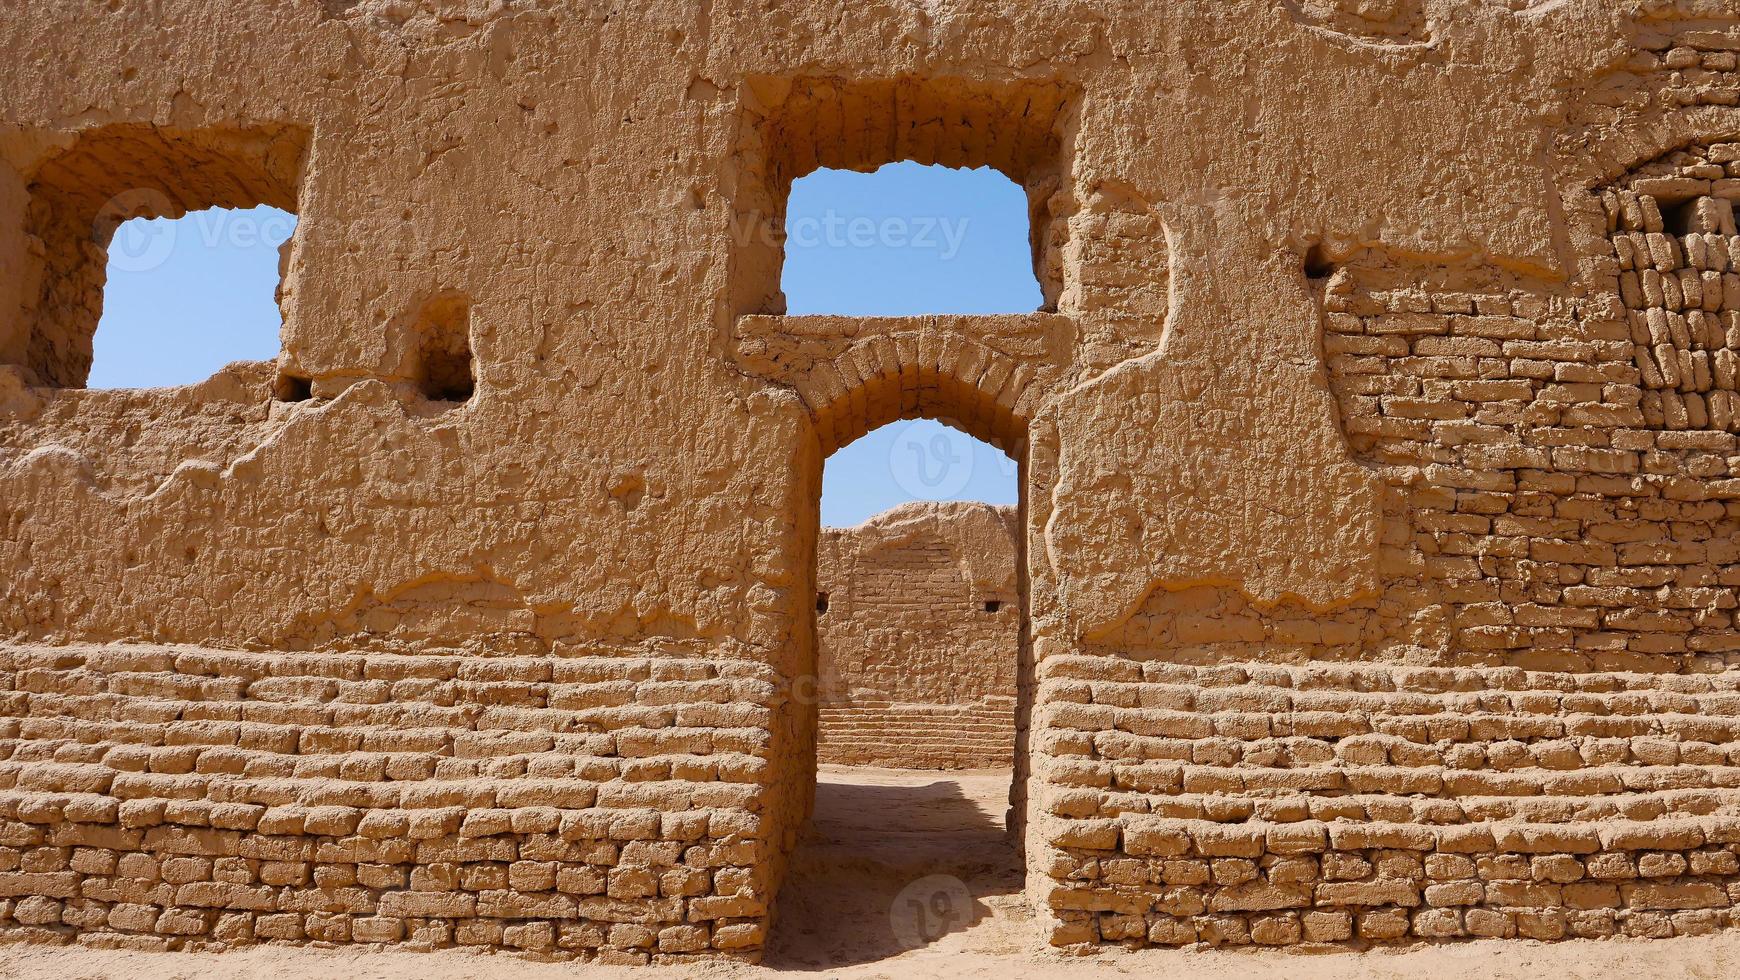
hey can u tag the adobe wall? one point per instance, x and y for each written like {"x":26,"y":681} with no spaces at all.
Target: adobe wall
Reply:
{"x":1377,"y":443}
{"x":919,"y":641}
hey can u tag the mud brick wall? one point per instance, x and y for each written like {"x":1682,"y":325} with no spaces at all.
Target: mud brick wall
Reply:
{"x":585,"y":806}
{"x":1376,"y":578}
{"x":919,"y":638}
{"x":1673,"y":237}
{"x":1552,"y":502}
{"x":1531,"y":728}
{"x":1249,"y":803}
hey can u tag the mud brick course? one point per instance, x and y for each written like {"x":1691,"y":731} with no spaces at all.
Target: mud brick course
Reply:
{"x":918,"y":630}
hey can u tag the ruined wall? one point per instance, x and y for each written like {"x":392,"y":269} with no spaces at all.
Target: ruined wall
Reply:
{"x":1376,"y":442}
{"x":582,"y":804}
{"x":1549,"y":742}
{"x":918,"y":632}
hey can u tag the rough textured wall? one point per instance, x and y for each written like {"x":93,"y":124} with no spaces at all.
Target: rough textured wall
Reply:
{"x":599,"y":806}
{"x":1377,"y":465}
{"x":918,"y":633}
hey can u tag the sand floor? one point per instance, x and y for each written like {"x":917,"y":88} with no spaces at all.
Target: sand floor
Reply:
{"x":909,"y":874}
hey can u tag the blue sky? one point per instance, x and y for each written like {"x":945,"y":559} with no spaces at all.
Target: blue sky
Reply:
{"x":908,"y":239}
{"x":186,"y":297}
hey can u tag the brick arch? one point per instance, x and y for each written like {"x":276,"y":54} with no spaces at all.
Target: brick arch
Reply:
{"x":1616,"y":153}
{"x":984,"y":407}
{"x":972,"y":387}
{"x":1592,"y":164}
{"x":983,"y":375}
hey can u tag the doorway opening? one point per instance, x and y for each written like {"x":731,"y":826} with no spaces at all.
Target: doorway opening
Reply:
{"x":920,"y":644}
{"x":909,"y":246}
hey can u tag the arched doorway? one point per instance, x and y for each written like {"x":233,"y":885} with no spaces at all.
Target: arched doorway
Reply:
{"x":910,"y":848}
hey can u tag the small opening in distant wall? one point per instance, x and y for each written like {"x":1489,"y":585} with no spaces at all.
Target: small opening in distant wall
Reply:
{"x":1317,"y":265}
{"x":291,"y":388}
{"x":821,"y":603}
{"x":993,"y":605}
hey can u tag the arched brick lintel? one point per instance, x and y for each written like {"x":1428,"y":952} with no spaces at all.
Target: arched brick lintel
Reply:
{"x":983,"y":375}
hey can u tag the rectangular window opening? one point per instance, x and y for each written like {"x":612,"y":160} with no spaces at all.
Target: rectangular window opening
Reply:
{"x":160,"y":254}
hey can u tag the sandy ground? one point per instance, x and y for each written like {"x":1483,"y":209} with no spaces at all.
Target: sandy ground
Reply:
{"x":909,"y":874}
{"x":900,"y":861}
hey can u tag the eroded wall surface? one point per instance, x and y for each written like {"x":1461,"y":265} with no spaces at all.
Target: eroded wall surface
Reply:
{"x":1377,"y":445}
{"x":918,"y":638}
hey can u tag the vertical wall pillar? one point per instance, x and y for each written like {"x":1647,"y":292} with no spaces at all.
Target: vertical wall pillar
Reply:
{"x":18,"y":278}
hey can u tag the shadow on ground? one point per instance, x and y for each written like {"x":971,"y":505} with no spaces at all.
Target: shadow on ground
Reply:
{"x":897,"y":861}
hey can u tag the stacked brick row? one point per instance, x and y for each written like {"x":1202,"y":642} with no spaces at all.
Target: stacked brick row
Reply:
{"x":1674,"y":239}
{"x":596,"y":807}
{"x":1540,"y":516}
{"x":1278,"y":805}
{"x":1681,"y":66}
{"x":1696,"y":66}
{"x":917,"y":736}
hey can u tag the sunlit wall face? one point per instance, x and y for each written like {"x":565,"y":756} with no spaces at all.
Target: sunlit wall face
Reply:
{"x":186,"y":296}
